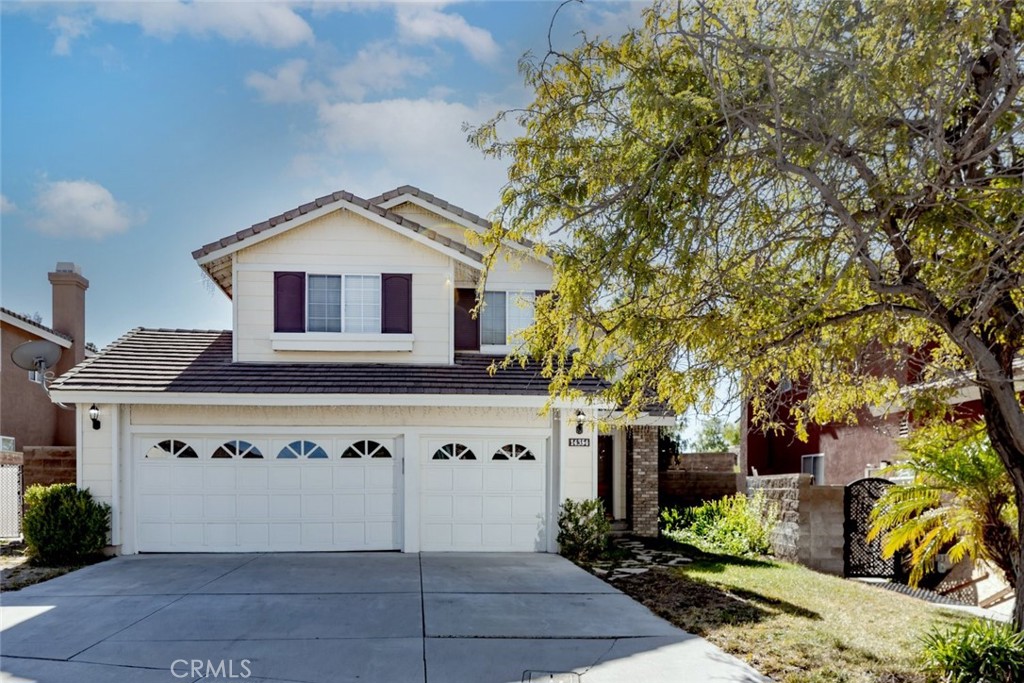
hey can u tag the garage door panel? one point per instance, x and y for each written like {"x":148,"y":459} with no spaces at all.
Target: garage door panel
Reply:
{"x":467,"y":535}
{"x":186,"y":476}
{"x":219,"y":506}
{"x":187,"y":507}
{"x":496,"y":507}
{"x":468,"y":479}
{"x":497,"y":479}
{"x":349,"y":478}
{"x":253,"y":507}
{"x":188,"y":535}
{"x":285,"y":506}
{"x":468,"y":507}
{"x":437,"y":478}
{"x":219,"y":478}
{"x":485,"y":503}
{"x":285,"y":535}
{"x":255,"y":478}
{"x":528,"y":479}
{"x":252,"y":536}
{"x":215,"y":535}
{"x":233,"y":503}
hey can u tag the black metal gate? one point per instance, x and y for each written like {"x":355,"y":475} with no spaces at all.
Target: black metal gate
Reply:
{"x":861,"y":557}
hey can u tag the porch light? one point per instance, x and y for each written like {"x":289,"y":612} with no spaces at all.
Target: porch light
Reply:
{"x":580,"y":417}
{"x":94,"y":415}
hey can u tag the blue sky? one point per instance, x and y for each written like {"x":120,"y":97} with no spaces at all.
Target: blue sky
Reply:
{"x":131,"y":134}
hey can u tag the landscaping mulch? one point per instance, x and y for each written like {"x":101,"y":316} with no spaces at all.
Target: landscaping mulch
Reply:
{"x":18,"y":571}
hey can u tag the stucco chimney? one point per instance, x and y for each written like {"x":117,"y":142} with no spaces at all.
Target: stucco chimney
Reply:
{"x":68,"y":318}
{"x":69,"y":308}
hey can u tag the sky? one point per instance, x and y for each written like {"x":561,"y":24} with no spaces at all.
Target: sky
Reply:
{"x":132,"y":134}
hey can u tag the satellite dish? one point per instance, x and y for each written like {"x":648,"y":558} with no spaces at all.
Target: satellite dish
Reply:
{"x":39,"y":355}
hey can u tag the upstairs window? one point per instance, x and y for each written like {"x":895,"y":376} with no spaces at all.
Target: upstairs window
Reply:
{"x":355,"y":304}
{"x":505,"y":316}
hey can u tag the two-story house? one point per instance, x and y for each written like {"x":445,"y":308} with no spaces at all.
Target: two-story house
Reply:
{"x":351,"y":406}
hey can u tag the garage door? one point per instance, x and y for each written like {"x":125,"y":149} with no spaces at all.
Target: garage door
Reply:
{"x":275,"y":493}
{"x":484,"y":494}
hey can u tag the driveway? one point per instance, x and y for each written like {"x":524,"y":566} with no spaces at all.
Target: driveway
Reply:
{"x":337,"y":618}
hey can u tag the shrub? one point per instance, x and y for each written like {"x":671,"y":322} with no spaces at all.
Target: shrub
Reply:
{"x":979,"y":651}
{"x":64,"y":525}
{"x":582,"y":529}
{"x":736,"y":525}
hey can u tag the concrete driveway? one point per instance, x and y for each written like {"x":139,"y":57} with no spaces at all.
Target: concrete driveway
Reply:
{"x":366,"y":617}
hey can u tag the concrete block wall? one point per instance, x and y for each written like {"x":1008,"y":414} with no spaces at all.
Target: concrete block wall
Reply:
{"x":48,"y":465}
{"x":810,"y":528}
{"x":642,"y":463}
{"x":693,"y":478}
{"x":821,"y":529}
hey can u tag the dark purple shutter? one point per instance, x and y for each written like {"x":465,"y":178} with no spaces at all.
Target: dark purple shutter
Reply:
{"x":541,"y":292}
{"x":396,"y":303}
{"x":467,"y":328}
{"x":289,"y":302}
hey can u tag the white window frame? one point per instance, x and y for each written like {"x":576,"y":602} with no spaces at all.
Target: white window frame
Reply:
{"x":510,"y":303}
{"x":341,"y":293}
{"x":818,"y":481}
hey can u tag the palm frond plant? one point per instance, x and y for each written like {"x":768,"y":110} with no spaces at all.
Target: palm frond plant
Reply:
{"x":960,"y":502}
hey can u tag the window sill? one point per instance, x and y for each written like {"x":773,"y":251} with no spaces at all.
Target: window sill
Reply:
{"x":339,"y":341}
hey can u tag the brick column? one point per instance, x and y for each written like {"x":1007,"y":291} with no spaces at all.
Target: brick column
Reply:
{"x":643,"y":468}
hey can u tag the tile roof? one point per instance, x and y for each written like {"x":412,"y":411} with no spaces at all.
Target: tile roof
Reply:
{"x":443,"y":205}
{"x":29,"y":321}
{"x":326,"y":200}
{"x":199,"y":361}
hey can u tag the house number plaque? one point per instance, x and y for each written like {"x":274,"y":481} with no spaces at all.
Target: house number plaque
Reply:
{"x":585,"y":443}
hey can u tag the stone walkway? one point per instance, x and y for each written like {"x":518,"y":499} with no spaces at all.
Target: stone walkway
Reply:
{"x":643,"y":560}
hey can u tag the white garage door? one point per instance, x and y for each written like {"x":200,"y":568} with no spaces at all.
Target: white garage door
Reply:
{"x":273,"y":493}
{"x":483,"y":494}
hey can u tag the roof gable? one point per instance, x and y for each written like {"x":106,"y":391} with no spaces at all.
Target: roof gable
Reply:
{"x":215,"y":257}
{"x":451,"y":212}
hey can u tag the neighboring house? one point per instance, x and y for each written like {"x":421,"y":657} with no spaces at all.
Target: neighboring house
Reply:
{"x":26,"y":413}
{"x":351,"y":407}
{"x":838,"y":454}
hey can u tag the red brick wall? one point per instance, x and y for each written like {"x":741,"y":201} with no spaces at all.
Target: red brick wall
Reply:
{"x":642,"y":462}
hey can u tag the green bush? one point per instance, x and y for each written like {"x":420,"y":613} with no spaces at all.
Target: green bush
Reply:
{"x":64,"y":525}
{"x":735,"y":525}
{"x":582,"y":529}
{"x":979,"y":651}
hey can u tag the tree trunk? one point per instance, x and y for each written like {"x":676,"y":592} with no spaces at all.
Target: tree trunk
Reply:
{"x":1002,"y":437}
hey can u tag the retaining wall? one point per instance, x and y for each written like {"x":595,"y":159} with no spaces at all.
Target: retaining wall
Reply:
{"x":693,"y":478}
{"x":810,"y":528}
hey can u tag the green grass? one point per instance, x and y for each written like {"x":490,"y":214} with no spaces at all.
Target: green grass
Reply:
{"x":794,"y":624}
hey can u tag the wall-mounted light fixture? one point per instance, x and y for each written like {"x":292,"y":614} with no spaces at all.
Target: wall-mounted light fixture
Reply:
{"x":94,"y":415}
{"x":580,"y":417}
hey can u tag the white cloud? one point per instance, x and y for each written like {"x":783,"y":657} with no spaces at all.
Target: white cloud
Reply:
{"x":274,"y":24}
{"x":81,"y":208}
{"x":423,"y":24}
{"x":6,"y":205}
{"x":68,"y":28}
{"x":417,"y":141}
{"x":377,"y":67}
{"x":286,"y":84}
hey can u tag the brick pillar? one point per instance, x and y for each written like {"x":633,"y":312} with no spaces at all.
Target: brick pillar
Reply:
{"x":643,"y":482}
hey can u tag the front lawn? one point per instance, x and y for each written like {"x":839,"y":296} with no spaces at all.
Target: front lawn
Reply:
{"x":791,"y":623}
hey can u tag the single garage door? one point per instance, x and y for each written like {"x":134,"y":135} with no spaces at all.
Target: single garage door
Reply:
{"x":484,"y":494}
{"x":237,"y":493}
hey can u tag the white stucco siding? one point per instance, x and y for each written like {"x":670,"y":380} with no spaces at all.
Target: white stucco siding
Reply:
{"x":342,"y":243}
